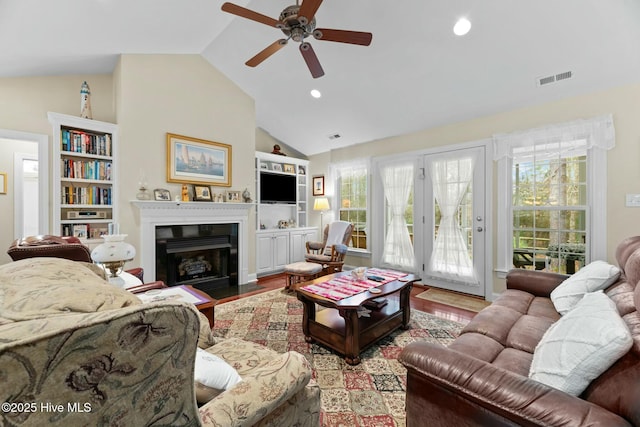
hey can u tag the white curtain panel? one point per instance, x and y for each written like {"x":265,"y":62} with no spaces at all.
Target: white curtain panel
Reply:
{"x":450,"y":257}
{"x":397,"y":182}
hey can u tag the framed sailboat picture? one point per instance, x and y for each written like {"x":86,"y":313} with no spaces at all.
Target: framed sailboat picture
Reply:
{"x":198,"y":161}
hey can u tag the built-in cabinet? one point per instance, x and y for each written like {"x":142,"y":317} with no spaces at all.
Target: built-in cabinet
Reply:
{"x":295,"y":212}
{"x":84,"y":177}
{"x":282,"y":231}
{"x":277,"y":248}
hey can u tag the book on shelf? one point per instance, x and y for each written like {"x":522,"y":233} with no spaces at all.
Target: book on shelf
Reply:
{"x":76,"y":141}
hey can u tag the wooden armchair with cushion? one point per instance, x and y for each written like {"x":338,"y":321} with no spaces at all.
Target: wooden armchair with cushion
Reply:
{"x":333,"y":248}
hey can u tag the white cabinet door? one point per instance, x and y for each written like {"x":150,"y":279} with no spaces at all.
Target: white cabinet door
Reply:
{"x":280,"y":250}
{"x":264,"y":249}
{"x":298,"y":246}
{"x":299,"y":241}
{"x":272,"y":250}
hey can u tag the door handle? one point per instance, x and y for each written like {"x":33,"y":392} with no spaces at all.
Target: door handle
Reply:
{"x":479,"y":229}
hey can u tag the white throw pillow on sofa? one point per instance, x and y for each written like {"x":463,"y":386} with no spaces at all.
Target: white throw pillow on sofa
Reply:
{"x":592,"y":277}
{"x":581,"y":345}
{"x":212,"y":375}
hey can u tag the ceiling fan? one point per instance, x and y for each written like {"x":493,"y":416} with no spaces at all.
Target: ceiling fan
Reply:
{"x":297,"y":22}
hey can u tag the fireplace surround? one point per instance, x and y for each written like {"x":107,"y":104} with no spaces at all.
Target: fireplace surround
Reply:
{"x":166,"y":218}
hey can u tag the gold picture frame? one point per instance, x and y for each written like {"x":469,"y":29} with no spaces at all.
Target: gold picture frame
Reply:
{"x":198,"y":161}
{"x":3,"y":183}
{"x":289,"y":168}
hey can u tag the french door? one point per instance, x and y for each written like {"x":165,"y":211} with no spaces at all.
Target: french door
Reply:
{"x":452,"y":204}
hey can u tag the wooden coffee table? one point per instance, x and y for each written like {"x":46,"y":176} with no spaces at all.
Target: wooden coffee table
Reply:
{"x":339,"y":327}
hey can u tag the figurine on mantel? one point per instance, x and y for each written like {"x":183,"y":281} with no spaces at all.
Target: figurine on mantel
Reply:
{"x":246,"y":196}
{"x":85,"y":101}
{"x":185,"y":193}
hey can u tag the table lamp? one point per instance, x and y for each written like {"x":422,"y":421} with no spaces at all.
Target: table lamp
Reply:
{"x":321,"y":204}
{"x":112,"y":255}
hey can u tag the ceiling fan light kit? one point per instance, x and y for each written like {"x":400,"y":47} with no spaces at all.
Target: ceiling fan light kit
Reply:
{"x":298,"y":22}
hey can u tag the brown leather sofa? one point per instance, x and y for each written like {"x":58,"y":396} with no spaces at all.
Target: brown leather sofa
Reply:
{"x":46,"y":245}
{"x":481,"y":379}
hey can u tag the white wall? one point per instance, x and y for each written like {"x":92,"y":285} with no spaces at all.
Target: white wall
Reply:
{"x":185,"y":95}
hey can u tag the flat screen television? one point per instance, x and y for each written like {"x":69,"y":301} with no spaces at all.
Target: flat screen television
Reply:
{"x":277,"y":188}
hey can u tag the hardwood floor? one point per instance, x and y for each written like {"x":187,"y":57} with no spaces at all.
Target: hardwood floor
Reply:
{"x":277,"y":281}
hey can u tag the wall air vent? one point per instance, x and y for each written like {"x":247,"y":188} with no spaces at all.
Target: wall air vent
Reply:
{"x":542,"y":81}
{"x":334,"y":136}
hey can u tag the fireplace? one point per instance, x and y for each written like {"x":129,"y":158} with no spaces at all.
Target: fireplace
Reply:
{"x":168,"y":216}
{"x":204,"y":256}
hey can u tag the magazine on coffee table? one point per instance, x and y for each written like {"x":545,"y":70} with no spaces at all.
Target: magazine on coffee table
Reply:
{"x":177,"y":293}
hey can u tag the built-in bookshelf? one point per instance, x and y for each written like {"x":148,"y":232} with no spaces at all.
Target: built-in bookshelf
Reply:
{"x":84,"y":176}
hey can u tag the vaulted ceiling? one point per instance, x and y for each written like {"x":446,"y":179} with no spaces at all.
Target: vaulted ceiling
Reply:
{"x":416,"y":73}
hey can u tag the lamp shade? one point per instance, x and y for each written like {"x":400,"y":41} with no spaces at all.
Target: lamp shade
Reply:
{"x":114,"y":249}
{"x":321,"y":204}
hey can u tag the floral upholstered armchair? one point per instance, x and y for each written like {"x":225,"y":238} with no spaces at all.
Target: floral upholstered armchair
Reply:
{"x":75,"y":350}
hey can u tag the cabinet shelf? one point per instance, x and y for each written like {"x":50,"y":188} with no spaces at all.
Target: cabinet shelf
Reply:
{"x":87,"y":181}
{"x":85,"y":155}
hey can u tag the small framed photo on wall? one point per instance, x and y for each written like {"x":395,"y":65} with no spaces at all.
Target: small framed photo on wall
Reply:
{"x":318,"y":185}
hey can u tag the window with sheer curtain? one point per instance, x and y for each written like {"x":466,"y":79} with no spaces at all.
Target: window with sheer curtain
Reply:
{"x":397,"y":183}
{"x":352,"y":193}
{"x":552,"y":195}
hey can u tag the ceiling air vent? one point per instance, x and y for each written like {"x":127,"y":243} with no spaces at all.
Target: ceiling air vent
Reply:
{"x":334,"y":136}
{"x":541,"y":81}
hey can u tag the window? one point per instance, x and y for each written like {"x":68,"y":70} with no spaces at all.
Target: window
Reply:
{"x":549,"y":208}
{"x":552,"y":195}
{"x":352,"y":195}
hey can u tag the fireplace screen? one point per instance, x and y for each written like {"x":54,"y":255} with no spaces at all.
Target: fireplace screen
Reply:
{"x":205,"y":257}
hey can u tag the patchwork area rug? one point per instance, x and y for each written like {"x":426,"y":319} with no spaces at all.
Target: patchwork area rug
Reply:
{"x":369,"y":394}
{"x":454,"y":299}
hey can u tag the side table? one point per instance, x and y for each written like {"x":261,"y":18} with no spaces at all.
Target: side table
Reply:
{"x":205,"y":306}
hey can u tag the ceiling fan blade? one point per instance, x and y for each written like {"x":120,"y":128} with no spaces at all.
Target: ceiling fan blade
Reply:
{"x":308,"y":10}
{"x":234,"y":9}
{"x":266,"y":52}
{"x":343,"y":36}
{"x":312,"y":60}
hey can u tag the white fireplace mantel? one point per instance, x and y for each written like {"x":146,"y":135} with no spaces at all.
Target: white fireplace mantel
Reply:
{"x":158,"y":213}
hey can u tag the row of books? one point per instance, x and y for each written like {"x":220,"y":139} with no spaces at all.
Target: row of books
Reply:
{"x":91,"y":195}
{"x":83,"y":231}
{"x":86,"y":169}
{"x":87,"y":143}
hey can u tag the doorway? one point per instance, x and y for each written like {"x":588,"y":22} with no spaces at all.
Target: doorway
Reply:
{"x":27,"y":181}
{"x":454,"y":220}
{"x":445,"y":215}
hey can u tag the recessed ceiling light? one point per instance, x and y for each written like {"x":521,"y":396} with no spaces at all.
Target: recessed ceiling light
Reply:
{"x":462,"y":27}
{"x":315,"y":93}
